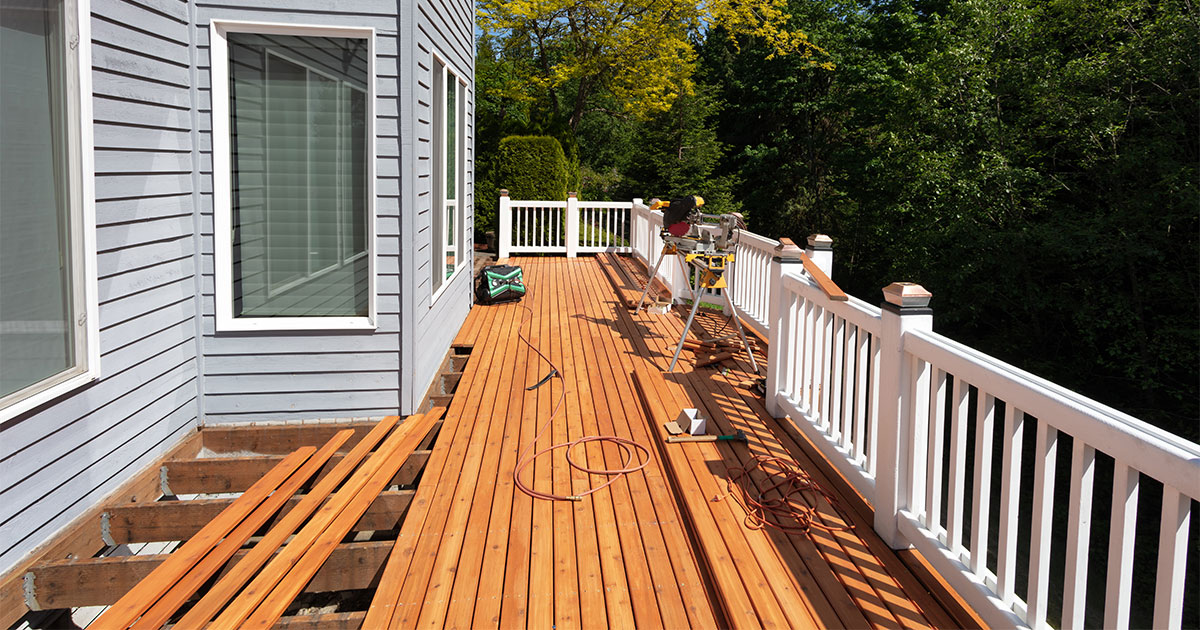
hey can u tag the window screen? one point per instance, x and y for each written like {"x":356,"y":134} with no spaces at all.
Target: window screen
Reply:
{"x":298,"y":125}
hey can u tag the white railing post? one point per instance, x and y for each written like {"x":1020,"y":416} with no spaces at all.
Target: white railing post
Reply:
{"x":637,"y":239}
{"x":780,"y":342}
{"x":572,"y":236}
{"x":820,"y":251}
{"x":905,"y":307}
{"x":504,"y":243}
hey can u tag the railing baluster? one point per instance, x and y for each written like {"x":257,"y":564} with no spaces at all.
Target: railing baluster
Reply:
{"x":919,"y":414}
{"x":1172,"y":559}
{"x":933,"y":478}
{"x":956,"y":495}
{"x":980,"y":509}
{"x":851,"y":394}
{"x":1010,"y":493}
{"x":1121,"y":534}
{"x":810,"y":353}
{"x":872,"y":420}
{"x":1045,"y":456}
{"x":826,"y":366}
{"x":863,"y":396}
{"x":1079,"y":532}
{"x":836,"y":376}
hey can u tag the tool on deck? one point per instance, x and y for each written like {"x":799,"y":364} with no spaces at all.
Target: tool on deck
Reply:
{"x":709,"y":251}
{"x":740,"y":436}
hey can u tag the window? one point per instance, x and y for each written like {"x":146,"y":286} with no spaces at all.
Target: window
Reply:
{"x":48,"y":321}
{"x":293,"y":176}
{"x":449,"y":157}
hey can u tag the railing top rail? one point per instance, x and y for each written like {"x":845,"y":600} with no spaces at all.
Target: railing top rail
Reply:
{"x":757,"y":241}
{"x":1161,"y":454}
{"x":532,"y":203}
{"x":618,"y":205}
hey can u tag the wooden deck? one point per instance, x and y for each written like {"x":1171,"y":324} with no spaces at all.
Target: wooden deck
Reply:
{"x":667,"y":547}
{"x":428,"y":529}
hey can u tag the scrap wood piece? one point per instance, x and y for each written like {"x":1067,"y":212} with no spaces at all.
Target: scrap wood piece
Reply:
{"x":716,"y":358}
{"x":169,"y":603}
{"x":266,"y":597}
{"x":146,"y":593}
{"x":224,"y":590}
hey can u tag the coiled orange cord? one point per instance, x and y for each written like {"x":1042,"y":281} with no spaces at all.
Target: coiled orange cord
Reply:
{"x":782,"y":513}
{"x":628,"y":447}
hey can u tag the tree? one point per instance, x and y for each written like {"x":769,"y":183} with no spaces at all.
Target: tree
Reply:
{"x":1032,"y":163}
{"x":639,"y":51}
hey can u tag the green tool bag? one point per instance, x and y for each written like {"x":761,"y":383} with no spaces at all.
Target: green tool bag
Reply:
{"x":499,"y":283}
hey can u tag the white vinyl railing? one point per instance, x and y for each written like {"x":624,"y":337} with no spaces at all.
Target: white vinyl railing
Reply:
{"x":921,"y":426}
{"x":749,"y":288}
{"x":892,"y":405}
{"x":563,"y":227}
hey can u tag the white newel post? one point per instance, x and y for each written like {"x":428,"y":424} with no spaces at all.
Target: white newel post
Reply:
{"x":905,"y":307}
{"x":820,"y":251}
{"x":780,"y":342}
{"x":572,"y":236}
{"x":504,"y":242}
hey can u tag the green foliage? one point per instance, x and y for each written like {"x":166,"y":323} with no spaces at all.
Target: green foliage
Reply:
{"x":638,"y":51}
{"x":1032,"y":163}
{"x":532,"y":167}
{"x":677,"y":154}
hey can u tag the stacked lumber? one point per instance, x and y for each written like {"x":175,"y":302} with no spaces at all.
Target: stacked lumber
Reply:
{"x":255,"y":590}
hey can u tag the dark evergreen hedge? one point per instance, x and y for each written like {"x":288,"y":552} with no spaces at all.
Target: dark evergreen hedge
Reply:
{"x":532,"y":167}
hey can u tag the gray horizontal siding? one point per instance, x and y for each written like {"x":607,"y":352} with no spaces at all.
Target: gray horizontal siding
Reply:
{"x":313,"y":373}
{"x":444,"y":26}
{"x":63,"y":458}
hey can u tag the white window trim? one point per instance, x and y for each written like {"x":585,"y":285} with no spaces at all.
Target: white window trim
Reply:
{"x":439,"y":240}
{"x":86,"y":311}
{"x":222,"y":180}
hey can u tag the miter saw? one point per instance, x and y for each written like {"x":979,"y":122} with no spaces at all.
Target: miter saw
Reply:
{"x":707,"y":248}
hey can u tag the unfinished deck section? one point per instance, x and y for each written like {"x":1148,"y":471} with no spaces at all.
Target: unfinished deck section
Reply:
{"x":666,"y":547}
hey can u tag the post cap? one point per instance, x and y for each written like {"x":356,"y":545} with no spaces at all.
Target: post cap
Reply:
{"x":906,"y":295}
{"x":572,"y":195}
{"x":787,"y":250}
{"x":503,"y":192}
{"x":819,"y":242}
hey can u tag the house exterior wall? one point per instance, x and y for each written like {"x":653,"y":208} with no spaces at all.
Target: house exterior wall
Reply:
{"x":62,"y":458}
{"x":444,"y":28}
{"x":164,"y":370}
{"x":252,"y":376}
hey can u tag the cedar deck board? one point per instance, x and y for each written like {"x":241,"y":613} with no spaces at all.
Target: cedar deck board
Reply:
{"x":544,"y":561}
{"x":891,"y":576}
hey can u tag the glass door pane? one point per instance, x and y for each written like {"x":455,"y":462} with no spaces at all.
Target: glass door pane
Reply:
{"x":36,"y":293}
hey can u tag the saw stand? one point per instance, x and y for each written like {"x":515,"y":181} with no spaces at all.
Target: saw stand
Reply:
{"x":710,"y":274}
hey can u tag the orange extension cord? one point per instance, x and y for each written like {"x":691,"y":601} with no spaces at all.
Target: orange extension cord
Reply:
{"x":627,"y":446}
{"x":781,"y":513}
